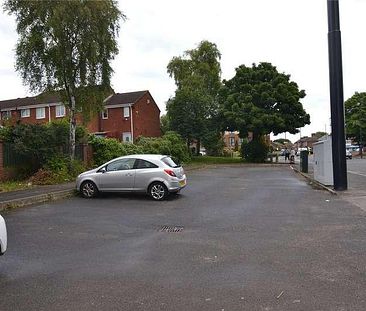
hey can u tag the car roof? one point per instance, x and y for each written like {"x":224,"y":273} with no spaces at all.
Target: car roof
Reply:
{"x":145,"y":156}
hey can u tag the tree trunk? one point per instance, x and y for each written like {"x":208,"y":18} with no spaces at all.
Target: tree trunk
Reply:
{"x":198,"y":147}
{"x":72,"y":128}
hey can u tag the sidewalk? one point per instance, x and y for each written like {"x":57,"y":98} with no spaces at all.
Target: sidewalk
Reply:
{"x":38,"y":194}
{"x":356,"y":192}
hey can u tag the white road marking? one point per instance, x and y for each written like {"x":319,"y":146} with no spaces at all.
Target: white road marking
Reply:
{"x":356,"y":173}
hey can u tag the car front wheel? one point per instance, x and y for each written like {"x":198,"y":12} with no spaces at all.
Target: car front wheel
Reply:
{"x":88,"y":189}
{"x":158,"y":191}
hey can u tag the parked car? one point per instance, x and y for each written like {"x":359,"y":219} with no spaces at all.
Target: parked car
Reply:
{"x":348,"y":154}
{"x":157,"y":175}
{"x":3,"y":236}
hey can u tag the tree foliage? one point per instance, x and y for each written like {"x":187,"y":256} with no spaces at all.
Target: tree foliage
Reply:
{"x":261,"y":100}
{"x":355,"y":115}
{"x":67,"y":46}
{"x":193,"y":109}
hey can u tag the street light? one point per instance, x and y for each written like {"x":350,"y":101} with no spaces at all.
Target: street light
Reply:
{"x":336,"y":97}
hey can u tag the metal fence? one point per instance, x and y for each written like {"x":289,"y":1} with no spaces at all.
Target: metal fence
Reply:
{"x":12,"y":158}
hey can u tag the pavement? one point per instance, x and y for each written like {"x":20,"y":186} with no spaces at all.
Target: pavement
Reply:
{"x":243,"y":238}
{"x":35,"y":195}
{"x":355,"y":194}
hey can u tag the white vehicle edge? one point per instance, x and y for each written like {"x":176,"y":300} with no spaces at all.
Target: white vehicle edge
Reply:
{"x":3,"y":236}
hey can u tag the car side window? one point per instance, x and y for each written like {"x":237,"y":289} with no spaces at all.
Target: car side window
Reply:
{"x":121,"y":165}
{"x":145,"y":164}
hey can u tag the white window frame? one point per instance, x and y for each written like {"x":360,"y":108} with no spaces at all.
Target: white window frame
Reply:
{"x":25,"y":113}
{"x":126,"y":112}
{"x":41,"y":115}
{"x":60,"y":111}
{"x":105,"y":114}
{"x":127,"y":135}
{"x":7,"y":115}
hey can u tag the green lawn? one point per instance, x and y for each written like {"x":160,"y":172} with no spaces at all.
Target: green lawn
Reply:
{"x":216,"y":160}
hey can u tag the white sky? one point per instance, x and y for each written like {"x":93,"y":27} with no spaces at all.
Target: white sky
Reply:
{"x":291,"y":34}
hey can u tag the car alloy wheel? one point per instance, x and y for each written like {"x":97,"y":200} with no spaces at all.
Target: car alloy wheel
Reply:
{"x":158,"y":191}
{"x":89,"y":189}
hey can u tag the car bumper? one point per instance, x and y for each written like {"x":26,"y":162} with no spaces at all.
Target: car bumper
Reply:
{"x":176,"y":185}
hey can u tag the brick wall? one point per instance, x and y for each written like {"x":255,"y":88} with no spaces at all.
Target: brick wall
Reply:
{"x":146,"y":117}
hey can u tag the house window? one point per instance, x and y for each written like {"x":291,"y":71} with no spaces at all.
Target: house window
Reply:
{"x":126,"y":112}
{"x":126,"y":137}
{"x":105,"y":113}
{"x":60,"y":111}
{"x":232,"y":141}
{"x":148,"y":101}
{"x":24,"y":113}
{"x":40,"y":113}
{"x":5,"y":115}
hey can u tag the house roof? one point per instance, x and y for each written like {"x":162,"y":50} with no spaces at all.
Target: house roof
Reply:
{"x":29,"y":101}
{"x":125,"y":98}
{"x":47,"y":98}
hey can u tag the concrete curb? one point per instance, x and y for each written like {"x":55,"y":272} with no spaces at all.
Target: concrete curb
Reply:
{"x":36,"y":199}
{"x":317,"y":183}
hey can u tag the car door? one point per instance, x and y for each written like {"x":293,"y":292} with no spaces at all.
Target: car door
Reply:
{"x":119,"y":175}
{"x":145,"y":172}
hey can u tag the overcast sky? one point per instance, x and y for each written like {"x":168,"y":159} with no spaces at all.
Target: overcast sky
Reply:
{"x":291,"y":34}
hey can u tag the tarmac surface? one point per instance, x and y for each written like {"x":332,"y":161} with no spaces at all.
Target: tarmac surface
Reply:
{"x":246,"y":238}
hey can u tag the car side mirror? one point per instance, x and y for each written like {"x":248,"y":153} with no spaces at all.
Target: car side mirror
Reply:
{"x":103,"y":170}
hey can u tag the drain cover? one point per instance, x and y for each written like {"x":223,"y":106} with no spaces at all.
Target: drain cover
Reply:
{"x":171,"y":229}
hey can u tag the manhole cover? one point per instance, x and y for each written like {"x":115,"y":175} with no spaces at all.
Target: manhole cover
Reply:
{"x":171,"y":229}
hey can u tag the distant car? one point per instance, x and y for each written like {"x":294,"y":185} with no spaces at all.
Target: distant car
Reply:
{"x":3,"y":236}
{"x":157,"y":175}
{"x":348,"y":154}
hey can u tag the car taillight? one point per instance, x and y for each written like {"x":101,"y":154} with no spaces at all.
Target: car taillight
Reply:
{"x":170,"y":172}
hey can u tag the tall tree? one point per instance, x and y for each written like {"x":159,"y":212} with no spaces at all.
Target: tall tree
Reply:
{"x":355,"y":113}
{"x":194,"y":107}
{"x":261,"y":100}
{"x":67,"y":46}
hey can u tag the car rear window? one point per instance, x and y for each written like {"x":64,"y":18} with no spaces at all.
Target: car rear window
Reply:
{"x":168,"y":161}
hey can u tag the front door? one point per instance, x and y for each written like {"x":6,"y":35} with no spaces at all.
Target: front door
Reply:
{"x":119,"y":176}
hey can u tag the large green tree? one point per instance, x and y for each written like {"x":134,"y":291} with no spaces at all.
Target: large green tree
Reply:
{"x":355,"y":115}
{"x":67,"y":46}
{"x":261,"y":100}
{"x":192,"y":112}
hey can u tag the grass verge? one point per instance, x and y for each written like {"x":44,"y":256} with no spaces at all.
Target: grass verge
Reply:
{"x":216,"y":160}
{"x":14,"y":185}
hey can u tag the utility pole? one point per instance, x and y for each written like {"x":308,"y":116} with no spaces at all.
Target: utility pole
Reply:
{"x":336,"y":97}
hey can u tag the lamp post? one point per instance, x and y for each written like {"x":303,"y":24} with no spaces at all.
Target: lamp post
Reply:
{"x":336,"y":97}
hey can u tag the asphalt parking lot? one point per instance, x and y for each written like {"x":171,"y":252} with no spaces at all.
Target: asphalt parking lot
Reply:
{"x":246,"y":238}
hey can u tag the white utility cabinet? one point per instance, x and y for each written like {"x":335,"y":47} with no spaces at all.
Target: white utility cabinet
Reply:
{"x":323,"y":163}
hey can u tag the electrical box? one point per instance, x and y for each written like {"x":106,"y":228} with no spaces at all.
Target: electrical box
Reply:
{"x":323,"y":163}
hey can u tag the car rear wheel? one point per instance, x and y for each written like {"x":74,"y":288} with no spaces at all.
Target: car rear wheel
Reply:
{"x":88,"y":189}
{"x":158,"y":191}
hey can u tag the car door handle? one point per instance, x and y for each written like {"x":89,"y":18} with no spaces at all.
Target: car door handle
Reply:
{"x":128,"y":174}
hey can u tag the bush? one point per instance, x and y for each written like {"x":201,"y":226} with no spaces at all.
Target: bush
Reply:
{"x":40,"y":142}
{"x":255,"y":151}
{"x":106,"y":149}
{"x":57,"y":169}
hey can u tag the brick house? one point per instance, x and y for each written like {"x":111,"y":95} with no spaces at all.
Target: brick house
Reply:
{"x":126,"y":116}
{"x":232,"y":139}
{"x":306,"y":142}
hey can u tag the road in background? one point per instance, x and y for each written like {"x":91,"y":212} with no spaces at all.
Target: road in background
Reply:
{"x":247,"y":238}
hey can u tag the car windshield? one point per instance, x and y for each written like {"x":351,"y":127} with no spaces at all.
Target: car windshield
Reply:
{"x":168,"y":161}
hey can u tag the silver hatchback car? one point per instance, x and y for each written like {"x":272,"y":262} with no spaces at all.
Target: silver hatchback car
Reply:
{"x":154,"y":174}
